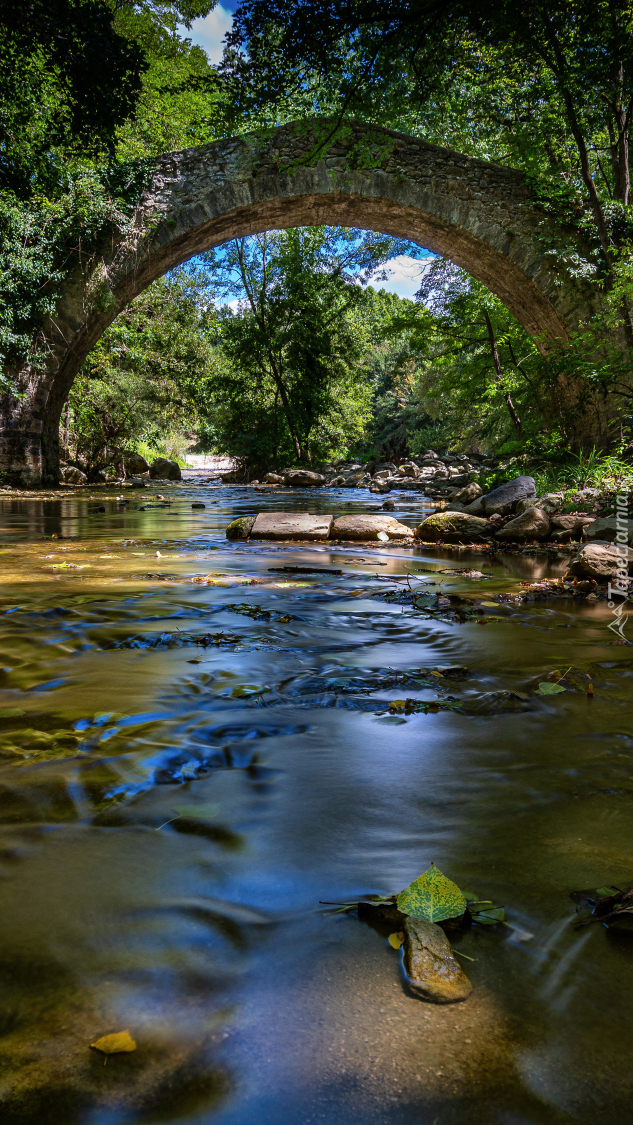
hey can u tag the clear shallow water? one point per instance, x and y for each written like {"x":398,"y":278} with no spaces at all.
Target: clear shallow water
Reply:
{"x":248,"y":1000}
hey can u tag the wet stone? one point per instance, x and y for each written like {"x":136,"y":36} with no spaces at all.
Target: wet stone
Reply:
{"x":369,"y":527}
{"x":291,"y":525}
{"x":432,"y":970}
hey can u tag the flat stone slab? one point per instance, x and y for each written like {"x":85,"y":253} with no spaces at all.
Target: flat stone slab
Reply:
{"x":432,"y":970}
{"x":369,"y":527}
{"x":291,"y":525}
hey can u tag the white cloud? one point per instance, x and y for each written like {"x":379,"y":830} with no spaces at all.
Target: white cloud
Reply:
{"x":209,"y":32}
{"x":404,"y":275}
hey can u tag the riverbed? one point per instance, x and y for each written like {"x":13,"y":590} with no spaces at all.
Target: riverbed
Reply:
{"x":197,"y":757}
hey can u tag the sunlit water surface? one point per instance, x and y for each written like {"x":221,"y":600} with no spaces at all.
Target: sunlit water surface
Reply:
{"x":204,"y":935}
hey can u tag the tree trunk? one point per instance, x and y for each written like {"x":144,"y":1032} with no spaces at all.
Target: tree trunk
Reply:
{"x":495,"y":359}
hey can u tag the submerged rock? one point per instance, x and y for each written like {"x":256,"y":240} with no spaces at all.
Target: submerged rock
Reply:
{"x":502,"y":500}
{"x":431,"y":968}
{"x":531,"y":524}
{"x":302,"y":478}
{"x":240,"y":528}
{"x":369,"y":527}
{"x":164,"y":469}
{"x":291,"y":525}
{"x":453,"y":527}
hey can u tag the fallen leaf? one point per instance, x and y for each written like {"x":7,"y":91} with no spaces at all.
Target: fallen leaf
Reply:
{"x":11,"y":712}
{"x":204,"y":812}
{"x":115,"y":1044}
{"x":432,"y":896}
{"x":492,"y":605}
{"x":549,"y":689}
{"x":396,"y":940}
{"x":397,"y":705}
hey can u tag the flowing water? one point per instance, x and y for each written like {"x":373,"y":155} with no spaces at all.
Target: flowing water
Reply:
{"x":195,"y":752}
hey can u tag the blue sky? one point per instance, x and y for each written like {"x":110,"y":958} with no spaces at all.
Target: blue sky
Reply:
{"x":404,"y":272}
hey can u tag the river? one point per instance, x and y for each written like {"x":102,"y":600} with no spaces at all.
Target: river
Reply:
{"x":202,"y":931}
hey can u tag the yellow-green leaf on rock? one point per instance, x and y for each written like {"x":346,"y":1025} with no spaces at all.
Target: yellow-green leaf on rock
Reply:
{"x":432,"y":896}
{"x":115,"y":1044}
{"x":547,"y":688}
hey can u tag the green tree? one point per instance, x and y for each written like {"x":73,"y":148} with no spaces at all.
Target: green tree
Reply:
{"x":295,"y":380}
{"x":146,"y":378}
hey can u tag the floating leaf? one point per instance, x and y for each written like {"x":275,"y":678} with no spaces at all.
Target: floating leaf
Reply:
{"x":397,"y":705}
{"x":11,"y":712}
{"x":115,"y":1044}
{"x":488,"y":916}
{"x":549,"y":689}
{"x":432,"y":896}
{"x":203,"y":812}
{"x":396,"y":940}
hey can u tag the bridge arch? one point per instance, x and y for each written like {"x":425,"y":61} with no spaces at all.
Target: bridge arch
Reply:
{"x":477,"y":214}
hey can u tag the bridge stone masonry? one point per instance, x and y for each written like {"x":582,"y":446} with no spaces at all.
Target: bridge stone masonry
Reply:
{"x":477,"y":214}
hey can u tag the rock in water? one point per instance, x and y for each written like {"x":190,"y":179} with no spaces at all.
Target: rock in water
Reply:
{"x":164,"y":469}
{"x":502,"y":500}
{"x":273,"y":478}
{"x":431,"y":968}
{"x":291,"y":525}
{"x":302,"y":478}
{"x":369,"y":528}
{"x":607,"y":530}
{"x":240,"y":528}
{"x":69,"y":474}
{"x":135,"y":463}
{"x":468,"y":494}
{"x":601,"y":561}
{"x":531,"y":524}
{"x":453,"y":527}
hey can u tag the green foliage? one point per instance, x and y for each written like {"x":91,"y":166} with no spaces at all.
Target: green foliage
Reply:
{"x":68,"y":79}
{"x":40,"y":242}
{"x":295,"y":382}
{"x":139,"y":387}
{"x":432,"y":896}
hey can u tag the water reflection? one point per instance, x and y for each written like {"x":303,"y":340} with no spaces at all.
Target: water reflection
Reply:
{"x":258,"y":696}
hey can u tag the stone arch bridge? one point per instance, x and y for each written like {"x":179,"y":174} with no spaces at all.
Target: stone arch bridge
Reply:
{"x":477,"y":214}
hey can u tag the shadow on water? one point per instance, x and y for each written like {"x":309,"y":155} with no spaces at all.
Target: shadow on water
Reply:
{"x":196,"y":748}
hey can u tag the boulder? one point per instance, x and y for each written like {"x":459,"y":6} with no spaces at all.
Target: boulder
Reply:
{"x":369,"y":527}
{"x":549,"y":503}
{"x":600,"y":561}
{"x":291,"y":525}
{"x":453,"y":527}
{"x":502,"y":500}
{"x":431,"y":967}
{"x":466,"y":495}
{"x":474,"y":509}
{"x":135,"y":464}
{"x":609,"y":529}
{"x":531,"y":524}
{"x":337,"y":482}
{"x":164,"y":469}
{"x":274,"y":478}
{"x":240,"y":528}
{"x":234,"y":476}
{"x":572,"y":522}
{"x":69,"y":474}
{"x":303,"y":478}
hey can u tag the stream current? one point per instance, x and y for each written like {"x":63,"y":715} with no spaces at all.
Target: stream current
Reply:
{"x":196,"y":752}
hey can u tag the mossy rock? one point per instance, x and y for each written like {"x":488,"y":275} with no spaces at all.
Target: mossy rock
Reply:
{"x":453,"y":527}
{"x":240,"y":528}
